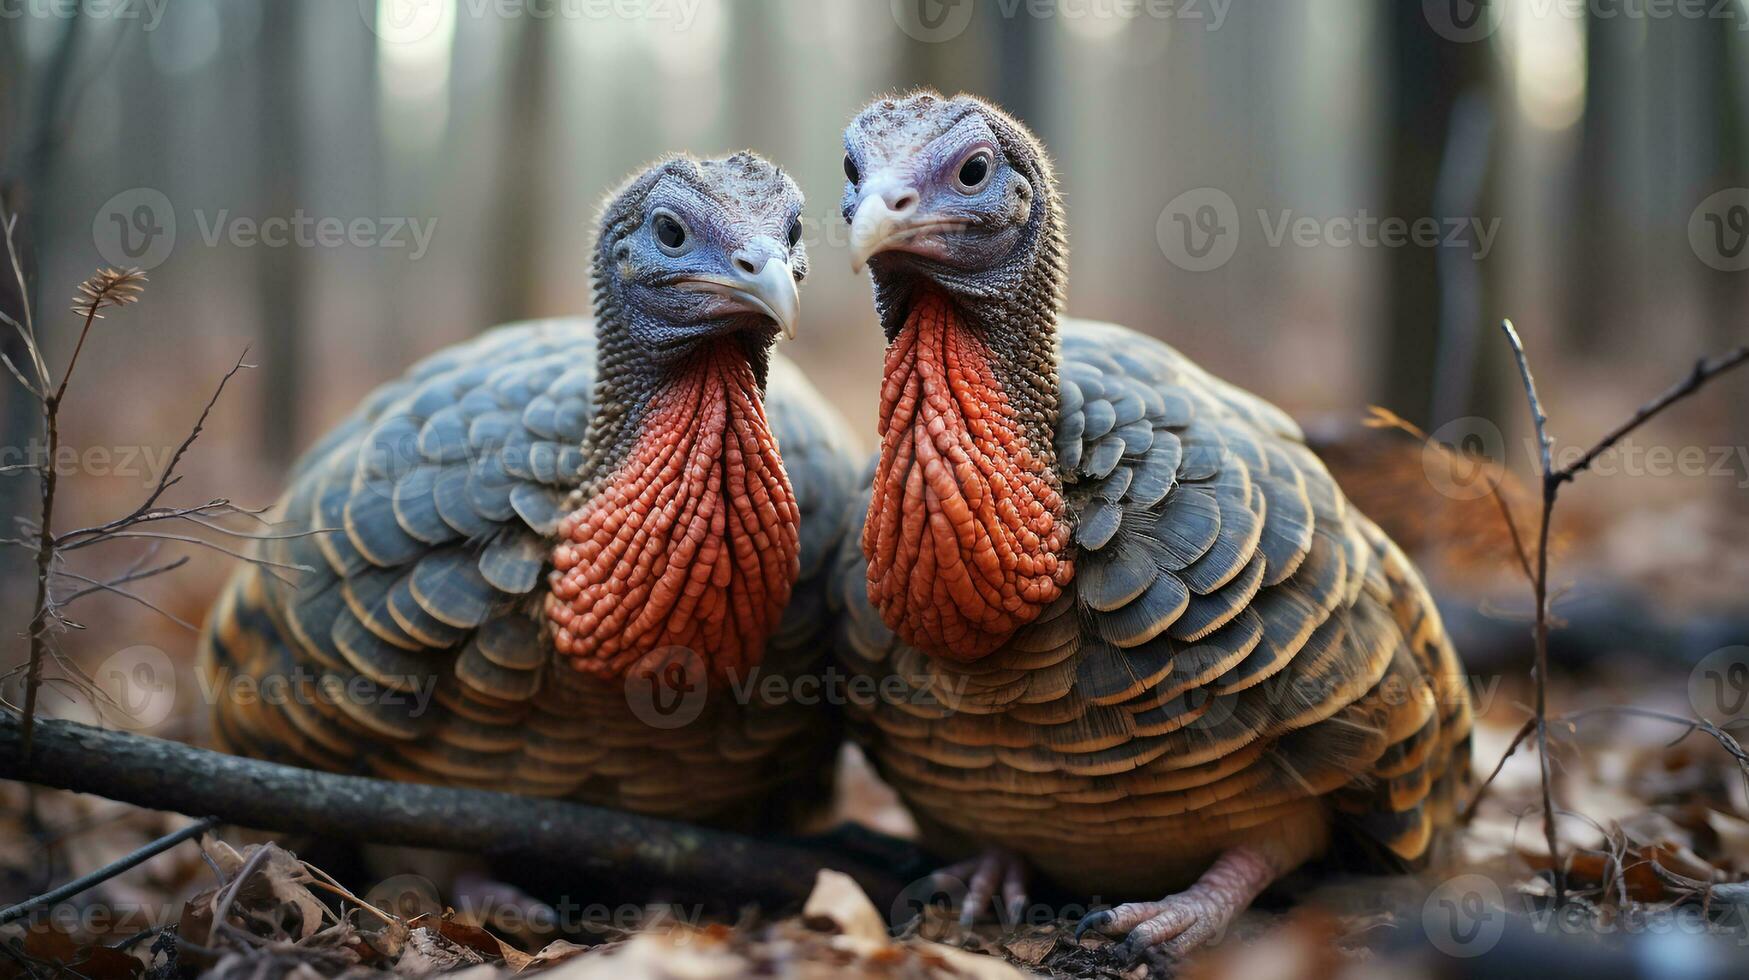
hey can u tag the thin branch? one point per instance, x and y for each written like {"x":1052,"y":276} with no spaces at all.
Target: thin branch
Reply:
{"x":1512,"y":529}
{"x":1704,"y":370}
{"x":123,"y":579}
{"x":1481,"y":792}
{"x":218,"y":507}
{"x":146,"y":510}
{"x":202,"y":542}
{"x":165,"y":481}
{"x":108,"y":871}
{"x":223,"y":908}
{"x":97,"y":586}
{"x":1540,"y":586}
{"x":1538,"y":416}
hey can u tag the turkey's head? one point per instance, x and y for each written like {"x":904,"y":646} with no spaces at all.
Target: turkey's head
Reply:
{"x":952,"y":206}
{"x":691,"y":250}
{"x":683,"y":538}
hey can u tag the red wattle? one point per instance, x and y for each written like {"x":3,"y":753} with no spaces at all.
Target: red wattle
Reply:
{"x":967,"y":531}
{"x":692,"y":544}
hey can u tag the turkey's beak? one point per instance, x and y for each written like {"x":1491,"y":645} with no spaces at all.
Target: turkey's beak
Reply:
{"x":759,"y":284}
{"x":889,"y":219}
{"x":888,"y":213}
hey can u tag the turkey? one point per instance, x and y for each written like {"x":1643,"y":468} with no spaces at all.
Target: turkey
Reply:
{"x":1145,"y":645}
{"x":547,"y":560}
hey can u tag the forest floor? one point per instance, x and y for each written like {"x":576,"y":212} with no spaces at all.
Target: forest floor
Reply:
{"x":1652,"y":823}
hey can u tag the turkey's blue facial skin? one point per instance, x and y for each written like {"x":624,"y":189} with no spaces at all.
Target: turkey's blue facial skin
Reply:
{"x":966,"y":238}
{"x":671,"y":297}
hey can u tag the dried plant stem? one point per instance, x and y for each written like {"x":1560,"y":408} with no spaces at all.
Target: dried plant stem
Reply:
{"x":1540,"y":588}
{"x":1552,"y":479}
{"x":45,"y":541}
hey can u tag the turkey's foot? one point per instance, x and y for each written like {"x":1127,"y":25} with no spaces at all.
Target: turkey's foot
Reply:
{"x":995,"y":872}
{"x":501,"y":906}
{"x":1180,"y":923}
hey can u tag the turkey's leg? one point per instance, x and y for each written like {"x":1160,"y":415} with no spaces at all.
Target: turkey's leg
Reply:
{"x":1186,"y":920}
{"x":995,"y":872}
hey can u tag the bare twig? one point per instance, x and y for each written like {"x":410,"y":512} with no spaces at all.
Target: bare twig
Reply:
{"x":108,"y":871}
{"x":106,"y":289}
{"x":1552,"y":479}
{"x":1704,"y":370}
{"x":1540,"y":587}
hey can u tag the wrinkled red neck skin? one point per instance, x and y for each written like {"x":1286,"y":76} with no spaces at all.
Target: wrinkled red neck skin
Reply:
{"x":692,"y":545}
{"x":967,"y":532}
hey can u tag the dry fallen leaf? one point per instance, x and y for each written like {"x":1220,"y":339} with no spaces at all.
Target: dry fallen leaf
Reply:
{"x":838,"y":899}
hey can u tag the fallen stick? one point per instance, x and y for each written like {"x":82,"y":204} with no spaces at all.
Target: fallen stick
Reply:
{"x":698,"y":862}
{"x":108,"y":871}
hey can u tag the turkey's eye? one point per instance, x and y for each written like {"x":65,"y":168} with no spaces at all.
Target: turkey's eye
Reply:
{"x":974,"y":172}
{"x":850,"y":170}
{"x":670,"y":233}
{"x":795,"y":231}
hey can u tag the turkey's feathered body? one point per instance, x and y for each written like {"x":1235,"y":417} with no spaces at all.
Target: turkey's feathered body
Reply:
{"x":417,"y":648}
{"x":1240,"y":659}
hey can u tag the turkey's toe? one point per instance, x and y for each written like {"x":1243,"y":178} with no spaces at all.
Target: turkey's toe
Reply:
{"x":994,"y":873}
{"x":1180,"y":923}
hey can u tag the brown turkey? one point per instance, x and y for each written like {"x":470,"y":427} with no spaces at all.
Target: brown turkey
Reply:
{"x":542,"y":560}
{"x":1148,"y":646}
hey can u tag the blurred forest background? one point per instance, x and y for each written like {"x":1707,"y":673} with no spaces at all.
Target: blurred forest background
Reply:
{"x":470,"y":142}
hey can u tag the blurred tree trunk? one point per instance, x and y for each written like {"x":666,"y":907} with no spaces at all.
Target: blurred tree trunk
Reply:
{"x":1017,"y":74}
{"x":758,"y":100}
{"x":510,"y":285}
{"x":32,"y":137}
{"x":1601,"y":275}
{"x":1426,"y":74}
{"x":280,"y":272}
{"x":1727,"y":293}
{"x":955,"y":64}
